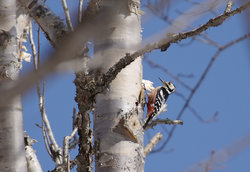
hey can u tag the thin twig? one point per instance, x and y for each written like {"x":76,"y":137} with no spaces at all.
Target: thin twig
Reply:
{"x":66,"y":146}
{"x":74,"y":119}
{"x":64,"y":53}
{"x":74,"y":125}
{"x":185,"y":75}
{"x":54,"y":147}
{"x":212,"y":119}
{"x":80,"y":11}
{"x":155,"y":65}
{"x":152,"y":143}
{"x":33,"y":47}
{"x":208,"y":166}
{"x":170,"y":21}
{"x":186,"y":17}
{"x":207,"y":40}
{"x":39,"y":46}
{"x":165,"y":43}
{"x":223,"y":155}
{"x":35,"y":63}
{"x":49,"y":140}
{"x":198,"y":85}
{"x":67,"y":15}
{"x":73,"y":144}
{"x":164,"y":121}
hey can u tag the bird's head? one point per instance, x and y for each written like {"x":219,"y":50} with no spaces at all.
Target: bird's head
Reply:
{"x":169,"y":86}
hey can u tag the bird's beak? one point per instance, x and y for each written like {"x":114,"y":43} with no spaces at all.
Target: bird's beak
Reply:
{"x":162,"y":81}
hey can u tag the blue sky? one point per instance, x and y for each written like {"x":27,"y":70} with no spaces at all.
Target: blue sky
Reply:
{"x":225,"y":89}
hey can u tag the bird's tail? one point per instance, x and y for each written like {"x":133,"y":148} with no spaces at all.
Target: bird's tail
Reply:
{"x":147,"y":121}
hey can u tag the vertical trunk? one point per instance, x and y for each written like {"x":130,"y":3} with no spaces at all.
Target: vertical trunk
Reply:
{"x":12,"y":155}
{"x":117,"y":129}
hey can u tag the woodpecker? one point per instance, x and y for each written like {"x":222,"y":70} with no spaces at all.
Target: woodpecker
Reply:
{"x":157,"y":99}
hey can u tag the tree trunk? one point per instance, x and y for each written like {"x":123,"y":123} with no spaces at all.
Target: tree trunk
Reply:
{"x":118,"y":114}
{"x":12,"y":154}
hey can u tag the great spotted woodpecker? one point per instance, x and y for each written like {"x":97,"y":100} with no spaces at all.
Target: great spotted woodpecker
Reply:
{"x":157,"y":99}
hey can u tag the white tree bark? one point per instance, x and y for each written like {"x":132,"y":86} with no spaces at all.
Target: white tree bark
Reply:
{"x":12,"y":154}
{"x":52,"y":25}
{"x":117,"y":128}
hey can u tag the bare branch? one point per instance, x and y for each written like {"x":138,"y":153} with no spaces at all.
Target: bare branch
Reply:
{"x":204,"y":74}
{"x":39,"y":46}
{"x":209,"y":163}
{"x":67,"y":15}
{"x":48,"y":135}
{"x":152,"y":143}
{"x":51,"y":24}
{"x":186,"y":17}
{"x":75,"y":141}
{"x":176,"y":78}
{"x":185,"y":75}
{"x":195,"y":113}
{"x":165,"y":43}
{"x":66,"y":52}
{"x":33,"y":47}
{"x":164,"y":121}
{"x":66,"y":156}
{"x":223,"y":155}
{"x":212,"y":119}
{"x":74,"y":119}
{"x":35,"y":63}
{"x":54,"y":148}
{"x":207,"y":40}
{"x":80,"y":11}
{"x":170,"y":21}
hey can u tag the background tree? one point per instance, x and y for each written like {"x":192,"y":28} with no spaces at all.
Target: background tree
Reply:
{"x":110,"y":29}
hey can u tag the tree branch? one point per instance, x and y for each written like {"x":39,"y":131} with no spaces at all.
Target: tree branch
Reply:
{"x":51,"y":145}
{"x":152,"y":143}
{"x":204,"y":74}
{"x":80,"y":11}
{"x":212,"y":119}
{"x":66,"y":50}
{"x":165,"y":43}
{"x":52,"y":25}
{"x":67,"y":15}
{"x":176,"y":78}
{"x":164,"y":121}
{"x":66,"y":156}
{"x":223,"y":155}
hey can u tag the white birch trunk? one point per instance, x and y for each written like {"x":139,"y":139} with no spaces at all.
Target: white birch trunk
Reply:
{"x":117,"y":129}
{"x":12,"y":154}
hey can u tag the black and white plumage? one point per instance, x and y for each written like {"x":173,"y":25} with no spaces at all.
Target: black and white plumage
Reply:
{"x":157,"y":100}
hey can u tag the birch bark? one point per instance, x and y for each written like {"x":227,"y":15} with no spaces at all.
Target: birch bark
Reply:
{"x":117,"y":128}
{"x":12,"y":154}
